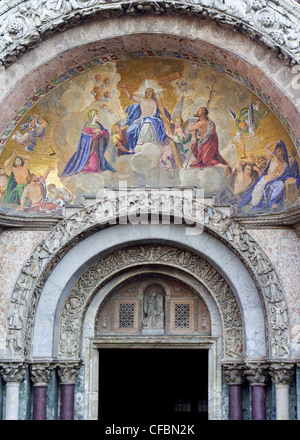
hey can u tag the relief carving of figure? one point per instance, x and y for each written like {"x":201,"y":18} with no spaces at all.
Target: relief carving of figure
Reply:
{"x":262,"y":265}
{"x":14,"y":319}
{"x":273,"y":289}
{"x":13,"y":343}
{"x":153,"y":309}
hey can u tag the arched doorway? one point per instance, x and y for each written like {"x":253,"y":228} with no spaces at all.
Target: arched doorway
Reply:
{"x":151,"y":385}
{"x":119,"y":321}
{"x":96,"y":263}
{"x":147,"y":381}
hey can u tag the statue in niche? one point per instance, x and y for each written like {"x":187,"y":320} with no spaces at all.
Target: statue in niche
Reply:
{"x":104,"y":322}
{"x":153,"y":309}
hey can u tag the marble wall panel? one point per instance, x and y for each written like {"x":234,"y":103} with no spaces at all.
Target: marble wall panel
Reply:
{"x":15,"y":248}
{"x":282,"y":246}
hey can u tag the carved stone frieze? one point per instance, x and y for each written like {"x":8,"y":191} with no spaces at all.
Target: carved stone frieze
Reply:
{"x":107,"y":212}
{"x":101,"y":271}
{"x":28,"y":222}
{"x":288,"y":217}
{"x":25,"y":24}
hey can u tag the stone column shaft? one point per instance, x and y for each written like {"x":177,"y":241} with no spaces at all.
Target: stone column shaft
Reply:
{"x":281,"y":374}
{"x":13,"y":374}
{"x":67,"y":401}
{"x":39,"y":402}
{"x":234,"y":376}
{"x":282,"y":402}
{"x":258,"y":401}
{"x":40,"y":376}
{"x":256,"y":374}
{"x":235,"y":402}
{"x":12,"y":401}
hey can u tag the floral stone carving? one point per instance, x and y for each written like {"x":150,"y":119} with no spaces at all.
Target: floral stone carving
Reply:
{"x":26,"y":24}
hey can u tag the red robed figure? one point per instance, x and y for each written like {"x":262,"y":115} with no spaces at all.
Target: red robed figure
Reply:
{"x":207,"y":154}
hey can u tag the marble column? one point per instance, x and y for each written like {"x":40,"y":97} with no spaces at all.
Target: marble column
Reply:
{"x":256,"y":374}
{"x":234,"y":376}
{"x":40,"y":376}
{"x":297,"y":373}
{"x":13,"y":374}
{"x":282,"y":373}
{"x":67,"y":373}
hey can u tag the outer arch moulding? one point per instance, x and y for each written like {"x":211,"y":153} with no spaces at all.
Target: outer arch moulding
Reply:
{"x":99,"y":273}
{"x":25,"y":23}
{"x":85,"y":222}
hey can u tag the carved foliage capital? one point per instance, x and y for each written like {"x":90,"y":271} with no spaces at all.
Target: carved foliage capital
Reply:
{"x":256,"y":372}
{"x":234,"y":373}
{"x":13,"y":371}
{"x":68,"y":372}
{"x":41,"y":373}
{"x":282,"y":373}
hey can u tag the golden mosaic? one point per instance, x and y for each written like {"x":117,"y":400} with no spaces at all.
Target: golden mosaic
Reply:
{"x":148,"y":122}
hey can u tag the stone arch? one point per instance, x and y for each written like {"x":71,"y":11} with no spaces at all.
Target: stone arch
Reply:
{"x":84,"y":223}
{"x":27,"y":25}
{"x":161,"y":275}
{"x":96,"y":277}
{"x":143,"y":280}
{"x":93,"y":341}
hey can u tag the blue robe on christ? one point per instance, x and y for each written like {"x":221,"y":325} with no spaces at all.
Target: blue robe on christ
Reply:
{"x":136,"y":123}
{"x":274,"y":190}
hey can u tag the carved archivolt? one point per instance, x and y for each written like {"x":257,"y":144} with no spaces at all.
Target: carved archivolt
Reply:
{"x":27,"y":23}
{"x":96,"y":276}
{"x":107,"y":211}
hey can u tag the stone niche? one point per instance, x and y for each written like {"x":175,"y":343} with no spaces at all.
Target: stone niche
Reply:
{"x":153,"y":306}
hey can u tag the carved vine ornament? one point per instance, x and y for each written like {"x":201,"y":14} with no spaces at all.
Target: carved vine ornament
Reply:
{"x":24,"y":26}
{"x":87,"y":286}
{"x":85,"y":222}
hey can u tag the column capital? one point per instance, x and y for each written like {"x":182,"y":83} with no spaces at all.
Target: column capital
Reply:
{"x":13,"y":371}
{"x":256,"y":372}
{"x":68,"y":371}
{"x":234,"y":373}
{"x":41,"y":373}
{"x":282,"y":372}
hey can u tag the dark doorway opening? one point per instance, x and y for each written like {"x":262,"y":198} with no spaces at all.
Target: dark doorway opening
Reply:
{"x":153,"y":385}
